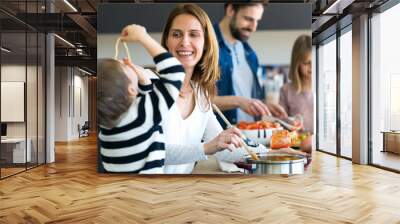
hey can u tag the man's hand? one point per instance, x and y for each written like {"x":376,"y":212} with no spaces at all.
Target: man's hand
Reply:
{"x":253,"y":107}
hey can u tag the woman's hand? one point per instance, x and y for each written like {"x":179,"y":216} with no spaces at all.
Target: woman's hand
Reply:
{"x":225,"y":139}
{"x":133,"y":33}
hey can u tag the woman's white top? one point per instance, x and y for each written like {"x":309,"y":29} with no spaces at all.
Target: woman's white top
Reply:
{"x":184,"y":139}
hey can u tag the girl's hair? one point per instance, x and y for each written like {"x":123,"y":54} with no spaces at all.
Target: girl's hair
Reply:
{"x":301,"y":47}
{"x":206,"y":72}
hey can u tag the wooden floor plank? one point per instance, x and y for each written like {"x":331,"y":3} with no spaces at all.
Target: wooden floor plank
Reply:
{"x":71,"y":191}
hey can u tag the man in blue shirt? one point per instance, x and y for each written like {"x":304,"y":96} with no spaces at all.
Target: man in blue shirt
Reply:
{"x":240,"y":95}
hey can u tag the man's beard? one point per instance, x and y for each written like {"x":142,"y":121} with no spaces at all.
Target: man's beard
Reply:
{"x":235,"y":31}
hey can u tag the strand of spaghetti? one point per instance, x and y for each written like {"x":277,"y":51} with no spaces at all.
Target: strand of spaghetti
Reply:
{"x":117,"y":50}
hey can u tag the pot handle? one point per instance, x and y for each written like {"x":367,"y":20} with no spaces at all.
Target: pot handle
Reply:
{"x":243,"y":165}
{"x":307,"y":161}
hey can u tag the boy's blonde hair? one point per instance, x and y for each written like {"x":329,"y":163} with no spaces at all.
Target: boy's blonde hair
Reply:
{"x":301,"y":47}
{"x":113,"y":98}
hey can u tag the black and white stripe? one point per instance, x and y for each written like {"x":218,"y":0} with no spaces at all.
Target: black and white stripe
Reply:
{"x":136,"y":144}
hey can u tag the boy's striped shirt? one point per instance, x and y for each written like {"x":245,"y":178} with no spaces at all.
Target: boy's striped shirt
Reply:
{"x":136,"y":144}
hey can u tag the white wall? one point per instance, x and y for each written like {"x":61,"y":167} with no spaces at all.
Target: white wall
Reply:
{"x":70,"y":84}
{"x":272,"y":47}
{"x":81,"y":104}
{"x":106,"y":49}
{"x":275,"y":47}
{"x":62,"y":81}
{"x":14,"y":73}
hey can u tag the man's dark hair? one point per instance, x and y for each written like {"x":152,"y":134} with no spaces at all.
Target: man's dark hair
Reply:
{"x":113,"y":98}
{"x":236,"y":5}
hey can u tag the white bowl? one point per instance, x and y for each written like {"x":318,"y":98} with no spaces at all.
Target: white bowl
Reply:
{"x":261,"y":136}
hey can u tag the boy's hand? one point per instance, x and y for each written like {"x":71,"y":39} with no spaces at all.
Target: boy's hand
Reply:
{"x":140,"y":72}
{"x":142,"y":76}
{"x":133,"y":33}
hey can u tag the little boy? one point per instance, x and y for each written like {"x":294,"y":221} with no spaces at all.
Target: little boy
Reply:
{"x":131,"y":106}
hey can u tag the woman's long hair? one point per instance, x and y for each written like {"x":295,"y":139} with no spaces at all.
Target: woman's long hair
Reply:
{"x":206,"y":72}
{"x":301,"y":47}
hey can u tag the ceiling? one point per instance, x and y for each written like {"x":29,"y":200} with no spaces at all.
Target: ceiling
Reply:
{"x":332,"y":15}
{"x":76,"y":22}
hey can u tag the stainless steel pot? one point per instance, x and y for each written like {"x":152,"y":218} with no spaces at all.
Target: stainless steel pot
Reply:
{"x":276,"y":164}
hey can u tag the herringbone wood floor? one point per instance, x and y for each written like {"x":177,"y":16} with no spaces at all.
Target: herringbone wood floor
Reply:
{"x":71,"y":191}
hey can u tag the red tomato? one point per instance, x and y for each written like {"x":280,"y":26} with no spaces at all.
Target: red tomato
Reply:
{"x":242,"y":125}
{"x":253,"y":126}
{"x":257,"y":125}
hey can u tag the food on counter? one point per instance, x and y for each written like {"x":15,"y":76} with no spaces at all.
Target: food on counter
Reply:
{"x":297,"y":138}
{"x":298,"y":124}
{"x":243,"y":125}
{"x":284,"y":139}
{"x":306,"y":144}
{"x":294,"y":138}
{"x":280,"y":139}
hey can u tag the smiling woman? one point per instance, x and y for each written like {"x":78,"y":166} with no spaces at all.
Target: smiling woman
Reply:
{"x":189,"y":36}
